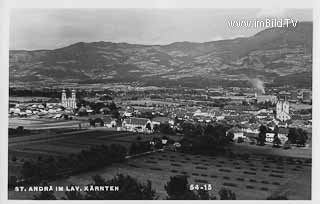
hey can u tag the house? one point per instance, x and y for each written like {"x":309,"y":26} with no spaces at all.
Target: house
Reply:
{"x":251,"y":137}
{"x":127,"y":114}
{"x":283,"y":134}
{"x":109,"y":122}
{"x":237,"y":132}
{"x":199,"y":113}
{"x":105,"y":110}
{"x":137,"y":124}
{"x":162,"y":120}
{"x":53,"y":102}
{"x":241,"y":108}
{"x":262,"y":115}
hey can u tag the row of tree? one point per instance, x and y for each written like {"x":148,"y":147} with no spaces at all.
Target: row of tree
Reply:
{"x":208,"y":139}
{"x":33,"y":171}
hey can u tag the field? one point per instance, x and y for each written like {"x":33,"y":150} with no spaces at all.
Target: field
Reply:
{"x":255,"y":178}
{"x":42,"y":123}
{"x":27,"y":98}
{"x":49,"y":143}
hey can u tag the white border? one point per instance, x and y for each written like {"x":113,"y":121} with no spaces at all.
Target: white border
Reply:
{"x":5,"y":6}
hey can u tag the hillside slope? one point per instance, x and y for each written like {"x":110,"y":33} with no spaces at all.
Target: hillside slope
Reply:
{"x":270,"y":55}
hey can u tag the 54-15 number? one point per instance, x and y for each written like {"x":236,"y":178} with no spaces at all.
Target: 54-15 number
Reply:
{"x":206,"y":187}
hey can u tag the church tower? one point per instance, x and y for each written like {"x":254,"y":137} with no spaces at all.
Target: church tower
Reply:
{"x":73,"y":99}
{"x":70,"y":102}
{"x":64,"y":98}
{"x":282,"y":110}
{"x":73,"y":95}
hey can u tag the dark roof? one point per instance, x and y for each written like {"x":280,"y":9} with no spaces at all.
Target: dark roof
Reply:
{"x":161,"y":119}
{"x":240,"y":108}
{"x":251,"y":135}
{"x":108,"y":119}
{"x":136,"y":121}
{"x":53,"y":100}
{"x":283,"y":131}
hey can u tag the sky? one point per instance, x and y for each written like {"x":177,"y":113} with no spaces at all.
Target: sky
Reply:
{"x":32,"y":29}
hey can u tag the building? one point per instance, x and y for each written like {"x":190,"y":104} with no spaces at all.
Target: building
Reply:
{"x":294,"y":95}
{"x":109,"y":122}
{"x":68,"y":102}
{"x":283,"y":134}
{"x":270,"y":137}
{"x":306,"y":96}
{"x":137,"y":124}
{"x":282,"y":110}
{"x":162,"y":120}
{"x":238,"y":133}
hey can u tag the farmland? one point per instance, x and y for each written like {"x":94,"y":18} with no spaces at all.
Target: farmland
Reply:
{"x":42,"y":123}
{"x":61,"y":144}
{"x":256,"y":177}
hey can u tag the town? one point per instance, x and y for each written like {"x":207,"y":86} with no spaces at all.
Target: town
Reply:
{"x":145,"y":111}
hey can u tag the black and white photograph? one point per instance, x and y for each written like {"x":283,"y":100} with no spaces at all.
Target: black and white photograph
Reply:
{"x":160,"y":104}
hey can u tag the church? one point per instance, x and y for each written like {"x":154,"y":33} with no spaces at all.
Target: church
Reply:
{"x":282,"y":110}
{"x":68,"y":102}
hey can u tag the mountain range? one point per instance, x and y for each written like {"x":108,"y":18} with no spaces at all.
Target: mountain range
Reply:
{"x":278,"y":56}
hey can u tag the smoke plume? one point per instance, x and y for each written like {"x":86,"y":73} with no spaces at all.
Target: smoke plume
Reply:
{"x":257,"y":84}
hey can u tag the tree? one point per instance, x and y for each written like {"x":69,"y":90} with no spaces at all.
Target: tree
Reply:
{"x":262,"y":135}
{"x":189,"y":130}
{"x":226,"y":194}
{"x":230,"y":136}
{"x":276,"y":141}
{"x":100,"y":121}
{"x":276,"y":130}
{"x":134,"y":148}
{"x":20,"y":129}
{"x":148,"y":126}
{"x":115,"y":114}
{"x":165,"y":128}
{"x":156,"y":128}
{"x":297,"y":136}
{"x":178,"y":189}
{"x":129,"y":189}
{"x":92,"y":122}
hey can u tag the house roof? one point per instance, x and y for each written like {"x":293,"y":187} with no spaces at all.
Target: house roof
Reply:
{"x":251,"y":135}
{"x":108,"y":119}
{"x":240,"y":108}
{"x":53,"y":100}
{"x":161,"y":119}
{"x":136,"y":121}
{"x":235,"y":129}
{"x":283,"y":131}
{"x":105,"y":109}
